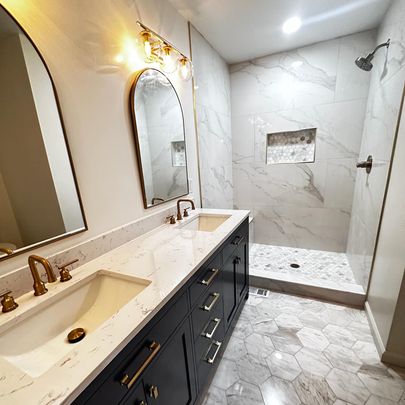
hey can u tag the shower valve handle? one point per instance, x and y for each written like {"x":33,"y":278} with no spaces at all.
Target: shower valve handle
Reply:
{"x":367,"y":164}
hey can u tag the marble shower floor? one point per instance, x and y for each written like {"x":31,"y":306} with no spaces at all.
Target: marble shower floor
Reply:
{"x":288,"y":350}
{"x":319,"y":268}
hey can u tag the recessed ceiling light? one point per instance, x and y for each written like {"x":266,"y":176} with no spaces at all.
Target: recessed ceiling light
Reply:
{"x":292,"y":24}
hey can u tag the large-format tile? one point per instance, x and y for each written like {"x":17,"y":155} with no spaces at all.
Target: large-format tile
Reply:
{"x":278,"y":368}
{"x":215,"y":396}
{"x":278,"y":391}
{"x":286,"y":341}
{"x":339,"y":335}
{"x":384,"y":387}
{"x":313,"y":361}
{"x":347,"y":386}
{"x":253,"y":369}
{"x":313,"y":338}
{"x":283,"y":365}
{"x":343,"y":358}
{"x":314,"y":390}
{"x":236,"y":349}
{"x":242,"y":393}
{"x":226,"y":374}
{"x":259,"y":345}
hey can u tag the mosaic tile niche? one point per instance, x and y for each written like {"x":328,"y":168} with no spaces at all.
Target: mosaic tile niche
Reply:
{"x":291,"y":147}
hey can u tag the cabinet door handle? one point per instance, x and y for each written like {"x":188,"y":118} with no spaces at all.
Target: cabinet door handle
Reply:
{"x":209,"y":307}
{"x":211,"y":360}
{"x":209,"y":335}
{"x":211,"y":278}
{"x":237,"y":260}
{"x":237,"y":240}
{"x":127,"y":380}
{"x":153,"y":391}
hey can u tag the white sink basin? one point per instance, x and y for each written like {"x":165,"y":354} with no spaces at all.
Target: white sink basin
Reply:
{"x":205,"y":222}
{"x":36,"y":343}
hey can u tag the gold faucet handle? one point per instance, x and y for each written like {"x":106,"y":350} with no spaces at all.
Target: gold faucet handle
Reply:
{"x":185,"y":213}
{"x":8,"y":304}
{"x":64,"y":272}
{"x":171,"y":219}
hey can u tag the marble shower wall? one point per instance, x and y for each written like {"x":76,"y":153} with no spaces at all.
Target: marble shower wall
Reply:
{"x":213,"y":105}
{"x":300,"y":205}
{"x":387,"y":83}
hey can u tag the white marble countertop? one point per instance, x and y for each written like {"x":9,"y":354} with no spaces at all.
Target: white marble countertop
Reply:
{"x":167,"y":256}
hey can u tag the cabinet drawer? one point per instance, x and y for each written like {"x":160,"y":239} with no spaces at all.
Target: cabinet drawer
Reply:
{"x":214,"y":329}
{"x":235,"y":240}
{"x":206,"y":276}
{"x":206,"y":364}
{"x":130,"y":364}
{"x":207,"y":305}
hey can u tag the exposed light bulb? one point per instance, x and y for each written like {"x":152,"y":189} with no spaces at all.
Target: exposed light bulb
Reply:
{"x":293,"y":24}
{"x":185,"y":69}
{"x":147,"y":47}
{"x":168,"y":64}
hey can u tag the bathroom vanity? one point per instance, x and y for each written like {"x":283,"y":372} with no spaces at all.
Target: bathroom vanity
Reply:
{"x":162,"y":346}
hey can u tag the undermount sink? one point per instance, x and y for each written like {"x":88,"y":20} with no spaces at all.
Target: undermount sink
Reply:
{"x":39,"y":340}
{"x":205,"y":222}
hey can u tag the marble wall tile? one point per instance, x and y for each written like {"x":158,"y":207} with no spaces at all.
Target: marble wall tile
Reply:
{"x":387,"y":81}
{"x":307,"y":228}
{"x":300,"y":205}
{"x":212,"y":95}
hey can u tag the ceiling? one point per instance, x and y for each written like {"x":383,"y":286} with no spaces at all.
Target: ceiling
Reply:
{"x":241,"y":30}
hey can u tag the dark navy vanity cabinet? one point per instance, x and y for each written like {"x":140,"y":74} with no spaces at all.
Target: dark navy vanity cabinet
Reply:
{"x":172,"y":360}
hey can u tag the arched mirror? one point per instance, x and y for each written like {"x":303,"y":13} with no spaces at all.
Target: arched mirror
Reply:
{"x":160,"y":138}
{"x":39,"y":198}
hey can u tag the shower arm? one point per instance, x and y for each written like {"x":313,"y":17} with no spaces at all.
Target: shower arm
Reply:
{"x":387,"y":44}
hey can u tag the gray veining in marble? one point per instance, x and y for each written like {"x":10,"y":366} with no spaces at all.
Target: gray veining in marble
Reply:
{"x":300,"y":205}
{"x":383,"y":106}
{"x":290,"y":364}
{"x":212,"y":95}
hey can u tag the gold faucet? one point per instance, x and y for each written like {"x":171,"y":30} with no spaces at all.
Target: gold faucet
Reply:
{"x":7,"y":251}
{"x":179,"y":216}
{"x":39,"y":285}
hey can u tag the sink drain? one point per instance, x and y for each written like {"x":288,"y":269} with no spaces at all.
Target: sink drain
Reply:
{"x":76,"y":335}
{"x":295,"y":265}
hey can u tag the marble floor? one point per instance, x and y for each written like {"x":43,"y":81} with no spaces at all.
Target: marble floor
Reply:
{"x":316,"y":267}
{"x":288,"y":350}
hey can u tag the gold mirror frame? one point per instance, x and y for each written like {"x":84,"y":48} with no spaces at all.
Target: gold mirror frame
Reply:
{"x":137,"y":143}
{"x":55,"y":94}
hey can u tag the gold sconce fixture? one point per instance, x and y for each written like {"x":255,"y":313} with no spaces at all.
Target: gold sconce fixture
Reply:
{"x":157,"y":50}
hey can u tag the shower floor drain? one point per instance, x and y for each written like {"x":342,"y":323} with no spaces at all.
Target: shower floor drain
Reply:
{"x":295,"y":265}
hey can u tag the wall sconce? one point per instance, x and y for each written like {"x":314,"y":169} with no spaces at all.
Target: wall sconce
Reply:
{"x":157,"y":50}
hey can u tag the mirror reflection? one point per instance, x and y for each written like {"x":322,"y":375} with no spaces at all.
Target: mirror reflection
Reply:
{"x":160,"y":139}
{"x":39,"y":200}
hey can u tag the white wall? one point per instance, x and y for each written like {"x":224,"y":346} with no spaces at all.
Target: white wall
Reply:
{"x":300,"y":205}
{"x":212,"y":96}
{"x":78,"y":41}
{"x":387,"y":80}
{"x":386,"y":297}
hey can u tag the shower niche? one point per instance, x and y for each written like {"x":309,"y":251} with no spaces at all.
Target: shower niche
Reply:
{"x":291,"y":146}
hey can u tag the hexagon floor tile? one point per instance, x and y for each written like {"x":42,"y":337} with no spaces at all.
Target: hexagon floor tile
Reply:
{"x":321,"y":354}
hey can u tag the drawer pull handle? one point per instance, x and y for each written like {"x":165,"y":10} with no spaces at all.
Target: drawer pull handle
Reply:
{"x":211,"y":278}
{"x":209,"y":335}
{"x":237,"y":240}
{"x":128,"y":381}
{"x":238,"y":260}
{"x":209,"y":307}
{"x":153,"y":392}
{"x":211,"y":360}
